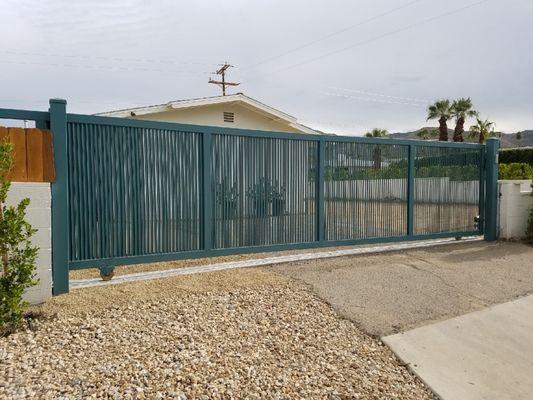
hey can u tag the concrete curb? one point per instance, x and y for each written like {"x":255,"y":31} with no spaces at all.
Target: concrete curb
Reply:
{"x":144,"y":276}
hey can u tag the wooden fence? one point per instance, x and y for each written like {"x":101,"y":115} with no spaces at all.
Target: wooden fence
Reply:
{"x":33,"y":154}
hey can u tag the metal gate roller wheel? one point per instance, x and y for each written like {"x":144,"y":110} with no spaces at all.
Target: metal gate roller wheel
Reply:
{"x":107,"y":273}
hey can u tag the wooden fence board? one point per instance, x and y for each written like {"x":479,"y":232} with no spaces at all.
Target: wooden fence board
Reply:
{"x":48,"y":157}
{"x":33,"y":159}
{"x":19,"y":171}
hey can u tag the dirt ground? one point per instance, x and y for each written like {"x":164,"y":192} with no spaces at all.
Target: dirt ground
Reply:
{"x":246,"y":333}
{"x":393,"y":292}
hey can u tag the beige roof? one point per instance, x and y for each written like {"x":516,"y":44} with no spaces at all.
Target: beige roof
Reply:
{"x":238,"y":98}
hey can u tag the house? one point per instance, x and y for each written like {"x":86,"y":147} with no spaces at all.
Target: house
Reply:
{"x":232,"y":111}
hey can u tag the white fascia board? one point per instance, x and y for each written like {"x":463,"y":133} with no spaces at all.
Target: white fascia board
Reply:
{"x":138,"y":111}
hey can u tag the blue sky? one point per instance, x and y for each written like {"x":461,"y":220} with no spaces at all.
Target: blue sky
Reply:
{"x":340,"y":66}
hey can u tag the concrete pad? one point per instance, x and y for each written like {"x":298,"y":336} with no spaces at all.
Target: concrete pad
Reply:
{"x":486,"y":354}
{"x":395,"y":292}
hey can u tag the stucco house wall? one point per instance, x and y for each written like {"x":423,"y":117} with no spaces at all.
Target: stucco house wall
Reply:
{"x":247,"y":113}
{"x":213,"y":115}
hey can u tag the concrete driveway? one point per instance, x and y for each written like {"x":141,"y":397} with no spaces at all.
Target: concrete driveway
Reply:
{"x":486,"y":354}
{"x":393,"y":292}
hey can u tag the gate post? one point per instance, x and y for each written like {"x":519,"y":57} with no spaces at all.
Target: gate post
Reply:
{"x":60,"y":220}
{"x":491,"y":189}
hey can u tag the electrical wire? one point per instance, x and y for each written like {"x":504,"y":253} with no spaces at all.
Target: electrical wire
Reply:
{"x":373,"y":100}
{"x":332,"y":34}
{"x":104,"y":67}
{"x":386,"y":34}
{"x":411,"y":99}
{"x":103,"y":58}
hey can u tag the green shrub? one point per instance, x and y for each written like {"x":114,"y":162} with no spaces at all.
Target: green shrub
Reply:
{"x":17,"y":255}
{"x":514,"y":171}
{"x":519,"y":155}
{"x":395,"y":171}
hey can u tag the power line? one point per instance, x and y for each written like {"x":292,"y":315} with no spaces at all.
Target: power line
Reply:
{"x":104,"y":58}
{"x":412,"y":99}
{"x":332,"y":34}
{"x":103,"y":67}
{"x":390,"y":33}
{"x":370,"y":99}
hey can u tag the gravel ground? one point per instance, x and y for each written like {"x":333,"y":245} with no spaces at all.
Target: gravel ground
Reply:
{"x":232,"y":334}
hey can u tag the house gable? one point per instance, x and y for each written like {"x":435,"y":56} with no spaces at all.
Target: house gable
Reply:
{"x":226,"y":115}
{"x":237,"y":111}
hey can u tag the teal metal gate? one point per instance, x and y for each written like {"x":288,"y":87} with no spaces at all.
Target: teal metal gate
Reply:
{"x":131,"y":191}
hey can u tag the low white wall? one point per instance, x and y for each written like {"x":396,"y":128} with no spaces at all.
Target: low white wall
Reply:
{"x":431,"y":190}
{"x":39,"y":216}
{"x":515,"y":202}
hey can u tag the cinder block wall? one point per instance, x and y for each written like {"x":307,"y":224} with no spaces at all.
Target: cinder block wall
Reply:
{"x":39,"y":216}
{"x":515,"y":202}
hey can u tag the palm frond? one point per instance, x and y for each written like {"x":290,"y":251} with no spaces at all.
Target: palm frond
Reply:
{"x":441,"y":108}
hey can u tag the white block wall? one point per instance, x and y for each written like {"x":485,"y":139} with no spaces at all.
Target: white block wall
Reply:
{"x":436,"y":190}
{"x":39,"y":216}
{"x":515,"y":202}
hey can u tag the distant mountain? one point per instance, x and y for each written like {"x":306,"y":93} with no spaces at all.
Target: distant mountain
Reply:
{"x":508,"y":140}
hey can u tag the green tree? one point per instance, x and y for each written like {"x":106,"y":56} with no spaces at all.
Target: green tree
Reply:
{"x":441,"y":110}
{"x":376,"y":152}
{"x":17,"y":254}
{"x":482,"y":130}
{"x":427,"y":133}
{"x":377,"y":133}
{"x":461,"y":110}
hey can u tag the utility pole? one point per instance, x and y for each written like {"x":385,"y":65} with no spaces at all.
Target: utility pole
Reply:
{"x":222,"y":83}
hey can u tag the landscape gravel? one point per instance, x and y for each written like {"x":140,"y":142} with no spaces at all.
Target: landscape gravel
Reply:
{"x":232,"y":334}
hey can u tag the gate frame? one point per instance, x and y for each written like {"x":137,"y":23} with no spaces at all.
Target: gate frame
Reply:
{"x":56,"y":119}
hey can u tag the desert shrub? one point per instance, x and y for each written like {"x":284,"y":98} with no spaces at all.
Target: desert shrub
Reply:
{"x":17,"y":255}
{"x":519,"y":155}
{"x":515,"y":171}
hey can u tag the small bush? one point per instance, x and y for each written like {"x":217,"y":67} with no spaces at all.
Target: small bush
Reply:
{"x":17,"y":255}
{"x":515,"y":171}
{"x":519,"y":155}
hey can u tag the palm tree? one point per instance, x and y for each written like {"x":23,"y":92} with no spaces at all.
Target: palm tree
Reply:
{"x":482,"y":129}
{"x":377,"y":133}
{"x":427,"y":133}
{"x":461,"y":110}
{"x":441,"y":110}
